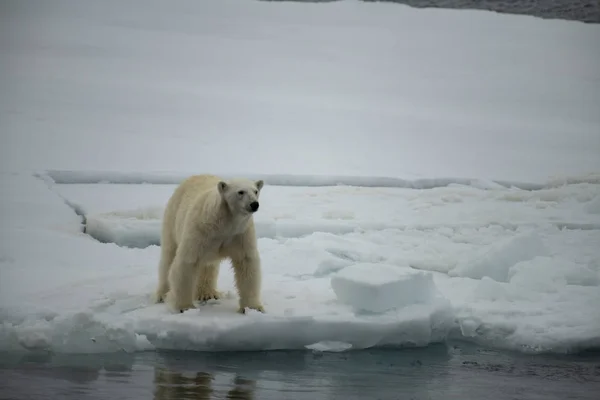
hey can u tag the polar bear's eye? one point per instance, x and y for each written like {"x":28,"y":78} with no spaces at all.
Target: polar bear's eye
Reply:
{"x":256,"y":192}
{"x":241,"y":192}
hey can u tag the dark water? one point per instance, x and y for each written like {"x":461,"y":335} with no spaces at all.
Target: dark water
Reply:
{"x":456,"y":371}
{"x":577,"y":10}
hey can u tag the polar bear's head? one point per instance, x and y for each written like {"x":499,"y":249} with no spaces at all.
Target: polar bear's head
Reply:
{"x":241,"y":195}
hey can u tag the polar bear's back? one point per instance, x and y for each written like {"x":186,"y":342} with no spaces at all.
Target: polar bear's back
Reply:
{"x":195,"y":191}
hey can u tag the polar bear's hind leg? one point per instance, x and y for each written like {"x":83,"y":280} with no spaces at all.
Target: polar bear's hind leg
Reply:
{"x":167,"y":254}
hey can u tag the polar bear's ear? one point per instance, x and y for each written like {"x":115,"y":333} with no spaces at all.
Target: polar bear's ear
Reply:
{"x":222,"y":187}
{"x":259,"y":184}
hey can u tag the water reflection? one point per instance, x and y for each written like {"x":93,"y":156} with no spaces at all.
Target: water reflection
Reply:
{"x":301,"y":374}
{"x":243,"y":389}
{"x":81,"y":369}
{"x":171,"y":385}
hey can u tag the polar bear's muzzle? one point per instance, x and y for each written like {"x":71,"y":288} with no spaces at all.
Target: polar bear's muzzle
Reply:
{"x":254,"y":206}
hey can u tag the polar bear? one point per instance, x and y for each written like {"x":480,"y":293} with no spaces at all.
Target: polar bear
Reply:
{"x":207,"y":220}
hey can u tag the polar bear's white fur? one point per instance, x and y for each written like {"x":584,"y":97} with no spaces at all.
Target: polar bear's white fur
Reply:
{"x":207,"y":220}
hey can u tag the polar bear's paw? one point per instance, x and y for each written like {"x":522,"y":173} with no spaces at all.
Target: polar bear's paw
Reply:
{"x":184,"y":307}
{"x":160,"y":296}
{"x":206,"y":295}
{"x":257,"y":307}
{"x":178,"y":304}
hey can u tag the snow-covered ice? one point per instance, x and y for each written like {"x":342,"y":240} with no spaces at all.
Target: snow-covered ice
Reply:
{"x":130,"y":214}
{"x":462,"y":145}
{"x":593,"y":206}
{"x":71,"y":293}
{"x":379,"y":287}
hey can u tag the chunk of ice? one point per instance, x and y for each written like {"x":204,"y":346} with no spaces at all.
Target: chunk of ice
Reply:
{"x":329,"y":346}
{"x":496,"y":260}
{"x":552,"y":273}
{"x":381,"y":287}
{"x":593,"y":206}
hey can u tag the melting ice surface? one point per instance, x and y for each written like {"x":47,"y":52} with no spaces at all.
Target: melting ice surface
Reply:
{"x":430,"y":174}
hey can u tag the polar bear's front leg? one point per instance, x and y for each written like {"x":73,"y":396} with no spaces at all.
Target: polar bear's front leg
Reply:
{"x":206,"y":287}
{"x":248,"y":281}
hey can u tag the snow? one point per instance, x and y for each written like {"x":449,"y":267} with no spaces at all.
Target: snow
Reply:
{"x":378,"y":288}
{"x":464,"y":94}
{"x":458,"y":145}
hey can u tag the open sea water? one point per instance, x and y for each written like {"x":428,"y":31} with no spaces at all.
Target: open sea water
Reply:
{"x":453,"y":371}
{"x":576,"y":10}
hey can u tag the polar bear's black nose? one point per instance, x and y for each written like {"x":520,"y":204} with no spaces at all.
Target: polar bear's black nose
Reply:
{"x":254,"y":206}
